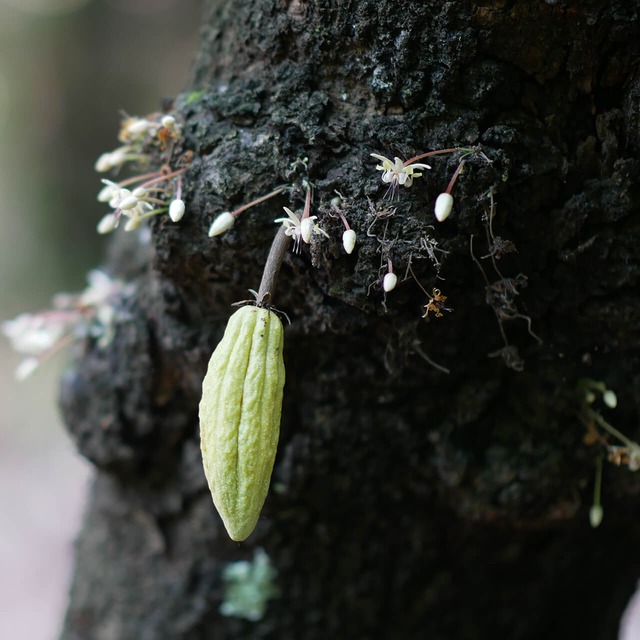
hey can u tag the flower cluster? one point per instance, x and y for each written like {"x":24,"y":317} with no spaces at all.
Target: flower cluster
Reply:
{"x":87,"y":314}
{"x":397,"y":173}
{"x":142,"y":196}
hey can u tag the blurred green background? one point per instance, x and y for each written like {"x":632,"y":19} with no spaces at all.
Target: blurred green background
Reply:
{"x":67,"y":69}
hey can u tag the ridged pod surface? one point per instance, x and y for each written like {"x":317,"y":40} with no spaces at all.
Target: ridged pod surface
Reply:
{"x":240,"y":415}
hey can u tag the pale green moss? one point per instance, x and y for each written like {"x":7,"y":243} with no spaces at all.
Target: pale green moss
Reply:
{"x":249,"y":585}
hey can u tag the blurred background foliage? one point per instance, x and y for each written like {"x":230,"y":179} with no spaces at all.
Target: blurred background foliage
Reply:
{"x":67,"y":70}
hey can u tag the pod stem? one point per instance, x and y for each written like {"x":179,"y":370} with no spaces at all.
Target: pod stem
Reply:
{"x":276,"y":255}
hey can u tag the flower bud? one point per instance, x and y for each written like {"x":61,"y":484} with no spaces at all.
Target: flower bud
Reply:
{"x":130,"y":202}
{"x":444,"y":204}
{"x":168,"y":121}
{"x":222,"y":223}
{"x":596,"y":513}
{"x":389,"y":282}
{"x":176,"y":210}
{"x":26,"y":368}
{"x":107,"y":224}
{"x":136,"y":126}
{"x":610,"y":399}
{"x":306,"y":229}
{"x":103,"y":163}
{"x":349,"y":240}
{"x":132,"y":224}
{"x":108,"y":191}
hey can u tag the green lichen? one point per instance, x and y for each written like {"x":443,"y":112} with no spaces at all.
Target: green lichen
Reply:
{"x":249,"y":585}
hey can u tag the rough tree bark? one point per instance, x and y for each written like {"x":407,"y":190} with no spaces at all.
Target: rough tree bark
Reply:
{"x":406,"y":502}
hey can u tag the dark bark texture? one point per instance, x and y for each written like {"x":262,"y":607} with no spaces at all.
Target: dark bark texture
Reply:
{"x":406,"y":502}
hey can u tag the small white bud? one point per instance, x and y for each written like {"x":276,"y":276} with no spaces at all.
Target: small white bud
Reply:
{"x":136,"y":126}
{"x":103,"y":163}
{"x":306,"y":229}
{"x":108,"y":191}
{"x":349,"y":240}
{"x":176,"y":210}
{"x":26,"y":368}
{"x":168,"y":121}
{"x":132,"y":224}
{"x":610,"y":399}
{"x":118,"y":156}
{"x":139,"y":192}
{"x":596,"y":513}
{"x":130,"y":202}
{"x":107,"y":224}
{"x":389,"y":282}
{"x":444,"y":204}
{"x":222,"y":223}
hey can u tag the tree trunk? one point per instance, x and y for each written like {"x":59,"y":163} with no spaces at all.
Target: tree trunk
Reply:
{"x":406,"y":501}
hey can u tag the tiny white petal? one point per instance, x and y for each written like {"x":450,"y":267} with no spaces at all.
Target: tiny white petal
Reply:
{"x":444,"y":204}
{"x":26,"y":368}
{"x":176,"y":210}
{"x":107,"y":224}
{"x":596,"y":513}
{"x":306,"y":229}
{"x":168,"y":121}
{"x":222,"y":223}
{"x":349,"y":240}
{"x":610,"y":399}
{"x":382,"y":159}
{"x":389,"y":282}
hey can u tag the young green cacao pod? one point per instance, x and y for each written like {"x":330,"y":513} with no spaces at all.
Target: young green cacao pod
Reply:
{"x":240,"y":416}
